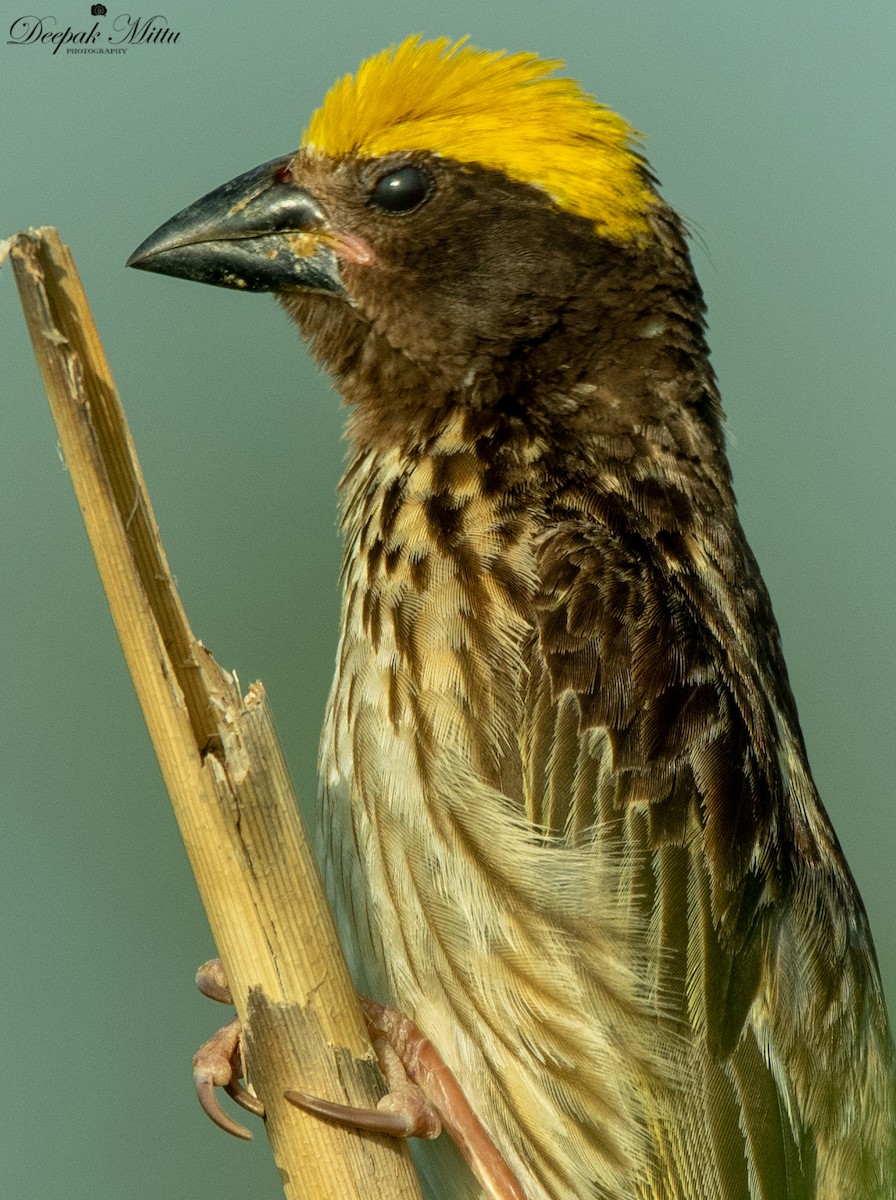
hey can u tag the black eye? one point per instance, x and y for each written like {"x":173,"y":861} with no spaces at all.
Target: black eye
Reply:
{"x":401,"y":191}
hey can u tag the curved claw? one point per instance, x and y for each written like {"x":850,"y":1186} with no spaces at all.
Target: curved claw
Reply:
{"x":208,"y":1098}
{"x":244,"y":1099}
{"x":212,"y":981}
{"x":213,"y":1067}
{"x":376,"y":1120}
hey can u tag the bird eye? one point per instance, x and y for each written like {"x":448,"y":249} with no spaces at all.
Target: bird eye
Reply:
{"x":401,"y":191}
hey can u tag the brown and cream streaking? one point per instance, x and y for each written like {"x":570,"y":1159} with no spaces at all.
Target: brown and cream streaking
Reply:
{"x":568,"y":824}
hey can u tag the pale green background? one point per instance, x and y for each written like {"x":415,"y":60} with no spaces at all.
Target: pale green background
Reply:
{"x":771,"y":126}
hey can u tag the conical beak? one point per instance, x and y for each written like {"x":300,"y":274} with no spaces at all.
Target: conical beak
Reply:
{"x":260,"y":232}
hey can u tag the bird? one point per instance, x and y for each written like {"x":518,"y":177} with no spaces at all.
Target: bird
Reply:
{"x":568,"y":825}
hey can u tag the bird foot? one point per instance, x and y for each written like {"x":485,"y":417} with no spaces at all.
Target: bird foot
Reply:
{"x":219,"y":1061}
{"x":405,"y":1111}
{"x":423,"y":1097}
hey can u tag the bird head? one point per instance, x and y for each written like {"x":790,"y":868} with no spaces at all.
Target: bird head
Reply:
{"x":455,"y":224}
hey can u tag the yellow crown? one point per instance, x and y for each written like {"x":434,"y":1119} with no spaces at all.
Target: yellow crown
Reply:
{"x":503,"y":111}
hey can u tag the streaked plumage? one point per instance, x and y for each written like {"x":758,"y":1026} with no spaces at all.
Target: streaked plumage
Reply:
{"x":569,"y":826}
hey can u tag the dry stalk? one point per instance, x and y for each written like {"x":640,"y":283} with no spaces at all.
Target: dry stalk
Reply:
{"x":224,"y":771}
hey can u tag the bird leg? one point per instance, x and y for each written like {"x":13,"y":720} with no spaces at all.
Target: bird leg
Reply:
{"x":423,"y":1097}
{"x":219,"y":1061}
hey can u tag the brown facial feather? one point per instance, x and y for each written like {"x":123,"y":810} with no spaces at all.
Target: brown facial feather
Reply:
{"x":557,"y":643}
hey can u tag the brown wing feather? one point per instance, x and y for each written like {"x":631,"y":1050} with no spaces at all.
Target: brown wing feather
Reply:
{"x":662,"y":728}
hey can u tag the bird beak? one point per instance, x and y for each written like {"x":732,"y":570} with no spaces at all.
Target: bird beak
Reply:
{"x":260,"y":232}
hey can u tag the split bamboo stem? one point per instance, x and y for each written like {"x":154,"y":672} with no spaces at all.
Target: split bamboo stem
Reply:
{"x":225,"y":774}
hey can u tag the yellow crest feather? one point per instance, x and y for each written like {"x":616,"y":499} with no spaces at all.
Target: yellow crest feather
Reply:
{"x":503,"y":111}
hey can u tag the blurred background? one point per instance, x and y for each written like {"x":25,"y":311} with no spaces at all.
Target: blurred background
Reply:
{"x":771,"y":130}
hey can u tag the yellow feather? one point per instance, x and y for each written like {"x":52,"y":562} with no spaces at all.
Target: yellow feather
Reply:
{"x":507,"y":112}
